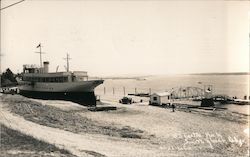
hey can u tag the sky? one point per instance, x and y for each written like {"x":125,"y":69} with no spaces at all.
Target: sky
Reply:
{"x":116,"y":37}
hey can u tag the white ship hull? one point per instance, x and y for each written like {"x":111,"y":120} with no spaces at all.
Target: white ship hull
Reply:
{"x":80,"y":92}
{"x":83,"y":86}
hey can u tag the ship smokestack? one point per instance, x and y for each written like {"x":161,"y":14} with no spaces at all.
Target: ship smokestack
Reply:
{"x":46,"y":67}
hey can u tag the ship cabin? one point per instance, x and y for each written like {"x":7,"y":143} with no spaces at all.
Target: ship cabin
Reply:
{"x":32,"y":73}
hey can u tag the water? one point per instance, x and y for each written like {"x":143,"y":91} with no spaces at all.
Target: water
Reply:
{"x":231,"y":85}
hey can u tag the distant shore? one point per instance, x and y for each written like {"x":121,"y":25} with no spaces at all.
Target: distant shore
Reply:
{"x":218,"y":73}
{"x":152,"y":75}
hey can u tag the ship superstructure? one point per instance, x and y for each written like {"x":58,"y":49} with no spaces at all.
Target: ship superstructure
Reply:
{"x":37,"y":82}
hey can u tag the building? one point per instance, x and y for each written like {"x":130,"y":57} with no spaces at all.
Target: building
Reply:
{"x":162,"y":98}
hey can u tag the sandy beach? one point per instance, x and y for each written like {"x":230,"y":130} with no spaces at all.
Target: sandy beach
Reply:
{"x":131,"y":130}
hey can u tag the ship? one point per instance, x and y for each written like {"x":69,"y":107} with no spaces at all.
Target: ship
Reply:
{"x":38,"y":82}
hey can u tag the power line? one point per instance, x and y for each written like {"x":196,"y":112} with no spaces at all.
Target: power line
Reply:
{"x":12,"y":4}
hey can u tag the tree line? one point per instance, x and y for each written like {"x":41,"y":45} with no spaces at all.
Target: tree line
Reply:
{"x":8,"y":78}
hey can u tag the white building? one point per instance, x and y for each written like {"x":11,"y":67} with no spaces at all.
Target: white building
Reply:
{"x":163,"y":98}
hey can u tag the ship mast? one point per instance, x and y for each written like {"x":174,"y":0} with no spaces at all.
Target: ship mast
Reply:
{"x":67,"y":59}
{"x":40,"y":52}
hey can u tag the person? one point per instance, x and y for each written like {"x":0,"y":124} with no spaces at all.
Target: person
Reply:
{"x":173,"y":107}
{"x":245,"y":97}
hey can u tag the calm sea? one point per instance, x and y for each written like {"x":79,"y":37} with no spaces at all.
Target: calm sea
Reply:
{"x":231,"y":85}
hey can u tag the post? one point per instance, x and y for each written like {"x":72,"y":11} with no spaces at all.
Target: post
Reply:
{"x":204,"y":89}
{"x":211,"y":87}
{"x":104,"y":90}
{"x":135,"y":91}
{"x":124,"y":92}
{"x":149,"y":91}
{"x":113,"y":91}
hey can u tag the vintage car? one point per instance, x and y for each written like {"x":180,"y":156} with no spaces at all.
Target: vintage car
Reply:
{"x":126,"y":100}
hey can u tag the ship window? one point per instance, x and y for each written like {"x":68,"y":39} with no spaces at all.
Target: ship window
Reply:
{"x":65,"y":79}
{"x":60,"y":79}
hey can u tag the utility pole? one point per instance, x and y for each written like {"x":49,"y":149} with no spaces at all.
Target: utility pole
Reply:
{"x":67,"y":59}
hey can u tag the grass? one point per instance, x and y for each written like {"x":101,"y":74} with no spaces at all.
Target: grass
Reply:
{"x":16,"y":144}
{"x":67,"y":120}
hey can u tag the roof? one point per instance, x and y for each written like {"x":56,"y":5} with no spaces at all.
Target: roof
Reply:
{"x":162,"y":94}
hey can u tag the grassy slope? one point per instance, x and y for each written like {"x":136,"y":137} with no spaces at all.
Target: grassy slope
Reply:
{"x":14,"y":143}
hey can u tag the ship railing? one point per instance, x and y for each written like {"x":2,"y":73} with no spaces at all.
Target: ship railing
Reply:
{"x":94,"y":78}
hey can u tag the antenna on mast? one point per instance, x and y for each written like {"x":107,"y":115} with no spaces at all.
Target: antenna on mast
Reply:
{"x":67,"y":59}
{"x":40,"y":52}
{"x":57,"y":68}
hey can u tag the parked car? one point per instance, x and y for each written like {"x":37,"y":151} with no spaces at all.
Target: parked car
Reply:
{"x":10,"y":90}
{"x":125,"y":100}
